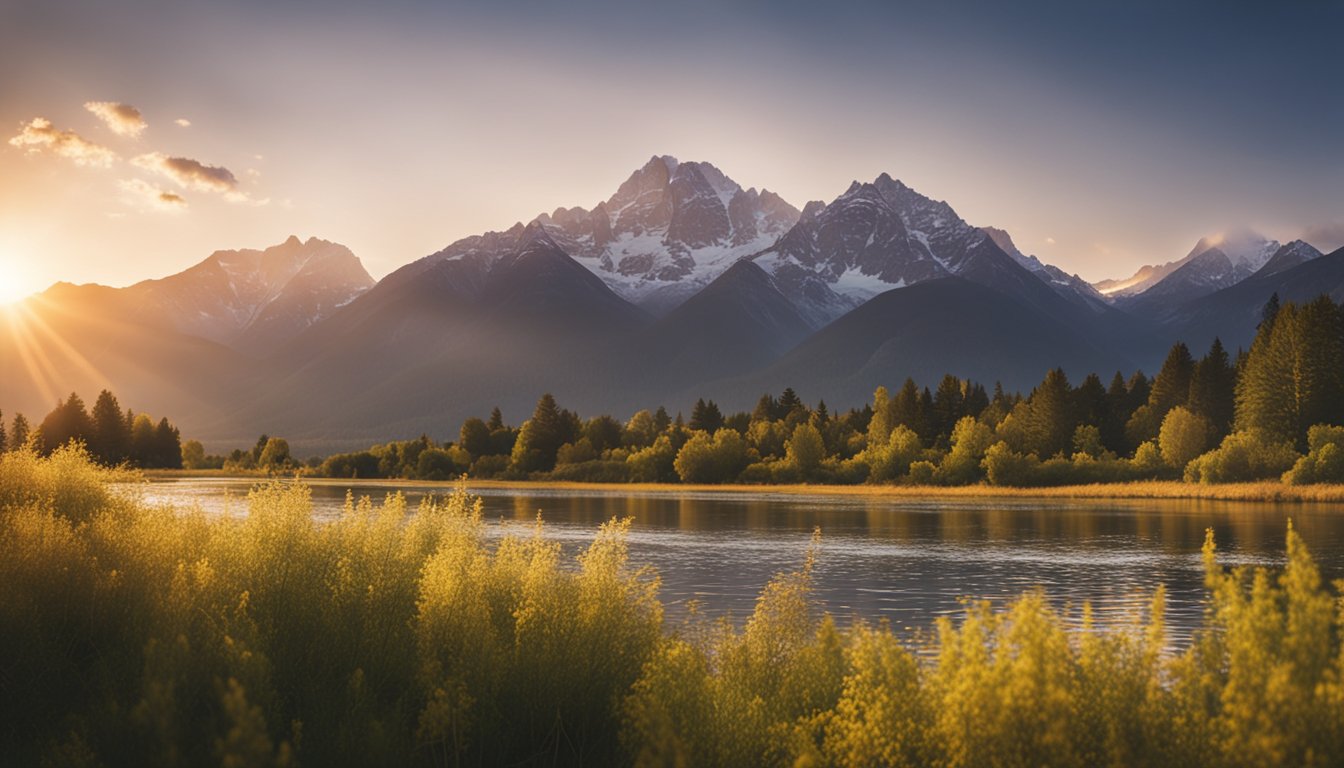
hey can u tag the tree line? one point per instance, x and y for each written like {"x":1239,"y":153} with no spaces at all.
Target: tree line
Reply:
{"x":111,"y":435}
{"x":1275,"y":410}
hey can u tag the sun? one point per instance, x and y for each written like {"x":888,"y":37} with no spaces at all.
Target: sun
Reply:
{"x":15,"y":278}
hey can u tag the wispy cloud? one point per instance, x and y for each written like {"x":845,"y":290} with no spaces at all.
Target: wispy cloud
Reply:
{"x":193,"y":174}
{"x":188,"y":173}
{"x":184,"y":122}
{"x":144,"y":195}
{"x":1050,"y":241}
{"x":123,"y":119}
{"x":40,"y":136}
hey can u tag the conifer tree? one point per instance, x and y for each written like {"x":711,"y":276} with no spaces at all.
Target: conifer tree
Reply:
{"x":706,"y":416}
{"x":1090,"y":402}
{"x":496,"y":419}
{"x":924,"y":417}
{"x":1112,"y":427}
{"x":1050,"y":425}
{"x":18,"y":433}
{"x":904,"y":408}
{"x":766,"y":408}
{"x":68,"y":421}
{"x":1172,"y":385}
{"x":541,"y":437}
{"x":880,"y":426}
{"x":474,"y":437}
{"x":789,"y":402}
{"x":111,"y":438}
{"x":948,"y":406}
{"x":661,"y":421}
{"x":1213,"y":391}
{"x":977,"y":400}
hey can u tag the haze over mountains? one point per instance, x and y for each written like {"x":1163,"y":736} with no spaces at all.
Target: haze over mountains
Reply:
{"x":682,"y":284}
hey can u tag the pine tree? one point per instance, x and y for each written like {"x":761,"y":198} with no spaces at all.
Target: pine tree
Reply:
{"x":1266,"y":394}
{"x":1213,"y":391}
{"x":661,"y":421}
{"x":1112,"y":428}
{"x":168,"y":446}
{"x":767,"y":408}
{"x":948,"y":405}
{"x":496,"y":419}
{"x":1050,"y":424}
{"x":789,"y":403}
{"x":924,"y":417}
{"x":1172,"y":385}
{"x":822,"y":414}
{"x":541,"y":437}
{"x":706,"y":416}
{"x":880,"y":426}
{"x":1320,"y":366}
{"x":1269,"y":313}
{"x":68,"y":421}
{"x":18,"y":433}
{"x":904,"y":407}
{"x":1090,"y":402}
{"x":111,"y":438}
{"x":977,"y":400}
{"x":474,"y":437}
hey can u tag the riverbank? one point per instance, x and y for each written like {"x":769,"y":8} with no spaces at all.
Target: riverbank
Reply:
{"x":1269,"y":491}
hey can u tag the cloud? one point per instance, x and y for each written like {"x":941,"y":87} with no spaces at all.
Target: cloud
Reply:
{"x":1050,"y":241}
{"x":123,"y":119}
{"x":144,"y":195}
{"x":1327,"y":237}
{"x":41,"y":136}
{"x":184,"y":122}
{"x":190,"y":174}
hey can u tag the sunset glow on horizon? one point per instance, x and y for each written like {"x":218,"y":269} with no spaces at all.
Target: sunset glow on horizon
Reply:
{"x":165,"y":131}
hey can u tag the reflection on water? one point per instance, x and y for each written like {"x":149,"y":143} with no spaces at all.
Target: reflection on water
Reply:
{"x":905,"y":560}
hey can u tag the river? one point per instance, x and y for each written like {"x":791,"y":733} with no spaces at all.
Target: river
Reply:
{"x":904,"y":560}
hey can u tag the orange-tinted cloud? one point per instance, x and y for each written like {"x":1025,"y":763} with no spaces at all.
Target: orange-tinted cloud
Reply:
{"x":188,"y":173}
{"x":144,"y":195}
{"x":123,"y":119}
{"x":40,"y":136}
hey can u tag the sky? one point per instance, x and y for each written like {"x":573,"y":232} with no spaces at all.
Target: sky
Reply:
{"x":139,"y":137}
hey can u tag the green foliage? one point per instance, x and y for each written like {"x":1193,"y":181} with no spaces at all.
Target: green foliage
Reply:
{"x":805,"y":450}
{"x":892,"y":460}
{"x":1184,"y":436}
{"x":1243,"y":457}
{"x":654,"y":464}
{"x":962,"y":465}
{"x":717,"y":459}
{"x":1294,"y":375}
{"x":138,"y":636}
{"x":1324,"y":462}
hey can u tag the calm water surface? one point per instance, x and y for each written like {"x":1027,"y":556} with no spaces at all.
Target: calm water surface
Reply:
{"x":906,"y":560}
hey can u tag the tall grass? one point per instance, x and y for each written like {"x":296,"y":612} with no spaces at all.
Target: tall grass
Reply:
{"x":132,"y":635}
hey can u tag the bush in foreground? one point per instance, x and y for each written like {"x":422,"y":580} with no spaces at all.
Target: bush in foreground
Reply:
{"x":139,"y":636}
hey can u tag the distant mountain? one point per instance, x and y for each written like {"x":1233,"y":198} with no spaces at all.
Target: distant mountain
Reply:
{"x":1071,"y":287}
{"x":739,"y":323}
{"x":492,"y":322}
{"x":1289,"y":256}
{"x":669,"y":230}
{"x":884,"y":235}
{"x":85,"y":338}
{"x":1244,"y":252}
{"x":945,"y":325}
{"x":254,"y":300}
{"x":1234,"y":312}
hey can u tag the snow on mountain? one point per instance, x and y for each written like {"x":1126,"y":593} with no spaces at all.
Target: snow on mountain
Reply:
{"x":876,"y":237}
{"x":1246,"y":251}
{"x":1071,"y":287}
{"x":667,"y":232}
{"x":1288,"y":256}
{"x":255,"y":299}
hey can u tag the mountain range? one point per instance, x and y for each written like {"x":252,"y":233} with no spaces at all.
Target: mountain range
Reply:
{"x":682,"y":284}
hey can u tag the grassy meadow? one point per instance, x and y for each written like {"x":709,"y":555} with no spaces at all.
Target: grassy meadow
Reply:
{"x":132,"y":635}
